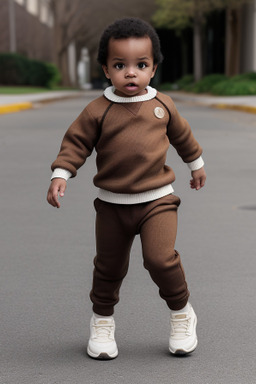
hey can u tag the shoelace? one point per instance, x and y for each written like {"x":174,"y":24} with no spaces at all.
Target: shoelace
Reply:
{"x":180,"y":325}
{"x":103,"y":330}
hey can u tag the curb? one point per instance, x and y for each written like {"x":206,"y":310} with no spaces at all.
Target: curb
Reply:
{"x":22,"y":106}
{"x":242,"y":105}
{"x":11,"y":108}
{"x":243,"y":108}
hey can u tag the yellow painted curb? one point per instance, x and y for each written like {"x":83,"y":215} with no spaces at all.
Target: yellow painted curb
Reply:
{"x":244,"y":108}
{"x":10,"y":108}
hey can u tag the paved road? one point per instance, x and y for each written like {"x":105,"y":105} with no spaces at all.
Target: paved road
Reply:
{"x":46,"y":262}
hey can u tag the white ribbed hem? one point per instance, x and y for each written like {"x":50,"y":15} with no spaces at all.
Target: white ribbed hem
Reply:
{"x":109,"y":93}
{"x":134,"y":198}
{"x":61,"y":173}
{"x":196,"y":164}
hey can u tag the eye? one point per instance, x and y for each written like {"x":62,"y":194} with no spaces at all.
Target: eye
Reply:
{"x":119,"y":66}
{"x":142,"y":65}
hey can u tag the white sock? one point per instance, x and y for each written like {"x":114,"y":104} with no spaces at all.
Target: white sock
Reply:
{"x":96,"y":316}
{"x":185,"y":309}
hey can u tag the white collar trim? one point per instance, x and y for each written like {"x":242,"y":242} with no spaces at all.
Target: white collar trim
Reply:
{"x":109,"y":93}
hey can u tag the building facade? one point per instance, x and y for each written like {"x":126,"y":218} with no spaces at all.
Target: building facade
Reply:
{"x":27,"y":28}
{"x":40,"y":9}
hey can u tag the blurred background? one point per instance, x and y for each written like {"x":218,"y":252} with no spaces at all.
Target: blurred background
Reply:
{"x":208,"y":45}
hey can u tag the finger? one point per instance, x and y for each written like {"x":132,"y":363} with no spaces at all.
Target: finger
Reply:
{"x":62,"y":190}
{"x":56,"y":200}
{"x":197,"y":185}
{"x":49,"y":198}
{"x":52,"y":198}
{"x":192,"y":185}
{"x":203,"y":181}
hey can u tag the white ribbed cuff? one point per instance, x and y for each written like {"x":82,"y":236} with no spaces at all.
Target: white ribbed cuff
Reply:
{"x":61,"y":174}
{"x":196,"y":164}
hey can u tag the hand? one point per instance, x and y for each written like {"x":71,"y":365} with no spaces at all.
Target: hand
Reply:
{"x":198,"y":179}
{"x":57,"y":187}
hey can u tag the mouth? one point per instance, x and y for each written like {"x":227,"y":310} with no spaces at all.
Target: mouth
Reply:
{"x":131,"y":85}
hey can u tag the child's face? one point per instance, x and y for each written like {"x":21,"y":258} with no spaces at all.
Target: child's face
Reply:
{"x":130,"y":65}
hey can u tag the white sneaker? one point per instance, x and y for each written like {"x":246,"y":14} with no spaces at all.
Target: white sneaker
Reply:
{"x":102,"y":344}
{"x":183,"y":338}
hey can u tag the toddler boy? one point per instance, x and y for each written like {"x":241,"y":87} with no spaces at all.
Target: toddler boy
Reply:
{"x":131,"y":127}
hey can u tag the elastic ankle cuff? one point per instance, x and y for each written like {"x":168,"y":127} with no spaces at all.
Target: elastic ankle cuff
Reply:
{"x":104,"y":312}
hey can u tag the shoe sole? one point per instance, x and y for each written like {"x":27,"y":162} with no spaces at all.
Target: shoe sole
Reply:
{"x":102,"y":356}
{"x":182,"y":352}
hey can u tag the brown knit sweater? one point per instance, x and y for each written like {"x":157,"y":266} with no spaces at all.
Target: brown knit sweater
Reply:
{"x":131,"y":140}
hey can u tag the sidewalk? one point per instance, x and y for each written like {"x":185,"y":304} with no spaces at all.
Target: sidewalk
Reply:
{"x":240,"y":103}
{"x":16,"y":103}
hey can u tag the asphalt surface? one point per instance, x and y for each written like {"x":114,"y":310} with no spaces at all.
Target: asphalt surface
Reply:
{"x":47,"y":255}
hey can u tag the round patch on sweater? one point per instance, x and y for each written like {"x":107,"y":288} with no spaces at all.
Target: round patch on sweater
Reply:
{"x":159,"y":112}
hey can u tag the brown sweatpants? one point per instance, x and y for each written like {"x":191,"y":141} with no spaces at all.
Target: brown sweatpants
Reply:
{"x":116,"y":227}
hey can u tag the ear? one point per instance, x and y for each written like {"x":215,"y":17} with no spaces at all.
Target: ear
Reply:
{"x":105,"y":69}
{"x":154,"y":71}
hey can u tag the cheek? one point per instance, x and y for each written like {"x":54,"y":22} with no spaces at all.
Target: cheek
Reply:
{"x":116,"y":76}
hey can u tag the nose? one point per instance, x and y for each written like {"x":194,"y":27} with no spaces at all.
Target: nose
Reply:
{"x":131,"y":72}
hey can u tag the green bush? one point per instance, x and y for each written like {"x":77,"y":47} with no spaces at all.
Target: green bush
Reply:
{"x":217,"y":84}
{"x":168,"y":87}
{"x":250,"y":76}
{"x":182,"y":83}
{"x":53,"y":75}
{"x":206,"y":84}
{"x":19,"y":70}
{"x":233,"y":87}
{"x":12,"y":70}
{"x":185,"y":81}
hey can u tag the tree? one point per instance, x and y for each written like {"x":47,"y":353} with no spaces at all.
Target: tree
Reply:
{"x":83,"y":21}
{"x":233,"y":39}
{"x":67,"y":26}
{"x":178,"y":15}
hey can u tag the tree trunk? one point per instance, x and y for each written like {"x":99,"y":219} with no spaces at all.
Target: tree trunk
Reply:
{"x":63,"y":65}
{"x":61,"y":54}
{"x":198,"y":67}
{"x":198,"y":73}
{"x":233,"y":41}
{"x":63,"y":12}
{"x":184,"y":53}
